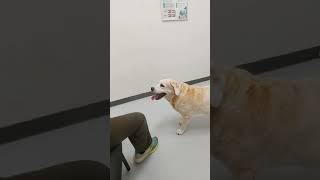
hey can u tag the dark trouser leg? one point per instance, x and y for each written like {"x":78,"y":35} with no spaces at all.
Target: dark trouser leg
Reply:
{"x":135,"y":127}
{"x":78,"y":170}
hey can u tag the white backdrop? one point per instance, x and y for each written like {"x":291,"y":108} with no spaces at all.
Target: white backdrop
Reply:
{"x":247,"y":30}
{"x":144,"y":49}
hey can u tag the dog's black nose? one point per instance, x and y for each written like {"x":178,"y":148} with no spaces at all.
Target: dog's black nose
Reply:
{"x":152,"y":88}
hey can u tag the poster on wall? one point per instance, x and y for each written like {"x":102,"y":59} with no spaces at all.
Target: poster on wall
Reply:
{"x":174,"y":10}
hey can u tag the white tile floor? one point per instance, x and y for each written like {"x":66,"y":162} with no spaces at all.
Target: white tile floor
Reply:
{"x":185,"y":157}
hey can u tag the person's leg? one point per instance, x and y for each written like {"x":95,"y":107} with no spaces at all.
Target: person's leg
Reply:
{"x":78,"y":170}
{"x":135,"y":127}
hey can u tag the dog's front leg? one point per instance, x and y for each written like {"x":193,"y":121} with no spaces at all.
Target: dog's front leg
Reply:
{"x":183,"y":124}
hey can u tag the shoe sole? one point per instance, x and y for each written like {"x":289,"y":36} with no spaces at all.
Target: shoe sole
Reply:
{"x":138,"y":161}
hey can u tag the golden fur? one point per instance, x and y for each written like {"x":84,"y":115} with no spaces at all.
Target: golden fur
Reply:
{"x":185,"y":99}
{"x":257,"y":123}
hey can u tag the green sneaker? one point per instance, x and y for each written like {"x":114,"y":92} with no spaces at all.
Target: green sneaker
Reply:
{"x":138,"y":158}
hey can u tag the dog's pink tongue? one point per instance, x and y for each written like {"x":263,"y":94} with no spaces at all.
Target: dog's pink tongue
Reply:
{"x":153,"y":97}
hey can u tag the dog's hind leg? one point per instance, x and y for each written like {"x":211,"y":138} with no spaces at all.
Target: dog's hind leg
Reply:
{"x":183,"y":124}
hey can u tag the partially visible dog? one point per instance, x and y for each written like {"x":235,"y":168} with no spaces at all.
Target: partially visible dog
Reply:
{"x":258,"y":123}
{"x":184,"y":98}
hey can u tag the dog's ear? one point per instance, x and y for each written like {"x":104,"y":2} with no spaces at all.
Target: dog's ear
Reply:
{"x":176,"y":87}
{"x":217,"y":87}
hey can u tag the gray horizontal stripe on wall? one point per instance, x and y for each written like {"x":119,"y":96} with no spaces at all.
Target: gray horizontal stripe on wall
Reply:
{"x":146,"y":94}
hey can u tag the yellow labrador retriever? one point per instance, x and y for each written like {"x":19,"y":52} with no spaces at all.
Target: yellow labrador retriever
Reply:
{"x":257,"y":123}
{"x":184,"y":98}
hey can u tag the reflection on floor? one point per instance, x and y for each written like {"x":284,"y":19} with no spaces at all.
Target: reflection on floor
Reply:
{"x":183,"y":157}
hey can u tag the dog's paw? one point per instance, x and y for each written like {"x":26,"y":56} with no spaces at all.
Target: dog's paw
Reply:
{"x":180,"y":131}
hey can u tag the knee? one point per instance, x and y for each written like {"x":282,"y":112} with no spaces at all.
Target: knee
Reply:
{"x":139,"y":117}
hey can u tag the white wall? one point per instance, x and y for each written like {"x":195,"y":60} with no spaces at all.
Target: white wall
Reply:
{"x":144,"y":49}
{"x":247,"y":30}
{"x":52,"y":57}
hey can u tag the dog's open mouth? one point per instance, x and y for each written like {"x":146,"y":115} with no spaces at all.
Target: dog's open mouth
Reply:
{"x":158,"y":96}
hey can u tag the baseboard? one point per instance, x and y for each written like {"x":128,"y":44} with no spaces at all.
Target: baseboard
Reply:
{"x":147,"y":94}
{"x":53,"y":121}
{"x":273,"y":63}
{"x":256,"y":67}
{"x":90,"y":111}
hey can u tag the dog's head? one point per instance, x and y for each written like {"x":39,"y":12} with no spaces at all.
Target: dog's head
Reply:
{"x":166,"y":87}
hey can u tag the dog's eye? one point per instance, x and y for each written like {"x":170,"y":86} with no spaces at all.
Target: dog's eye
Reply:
{"x":161,"y":85}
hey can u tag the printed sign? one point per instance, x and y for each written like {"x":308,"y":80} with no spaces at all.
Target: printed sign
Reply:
{"x":173,"y":10}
